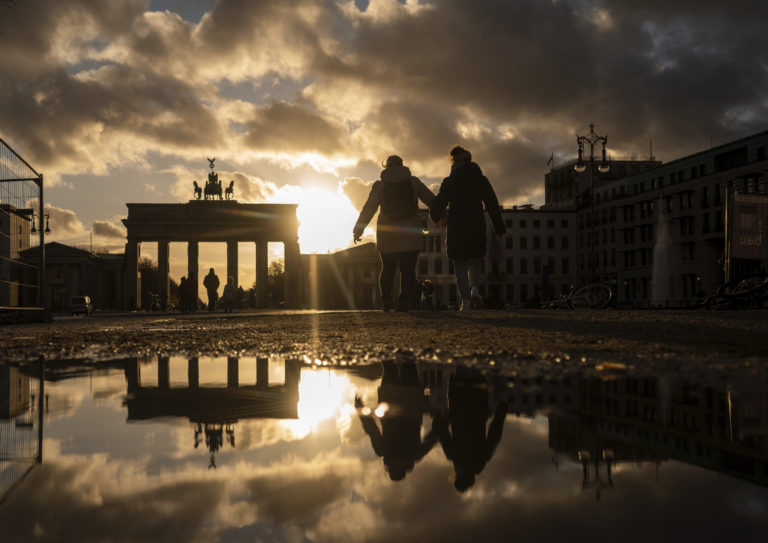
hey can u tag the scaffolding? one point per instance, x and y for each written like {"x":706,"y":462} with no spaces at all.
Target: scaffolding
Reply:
{"x":22,"y":285}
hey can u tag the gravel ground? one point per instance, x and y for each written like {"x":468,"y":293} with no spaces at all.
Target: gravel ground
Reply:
{"x":668,"y":340}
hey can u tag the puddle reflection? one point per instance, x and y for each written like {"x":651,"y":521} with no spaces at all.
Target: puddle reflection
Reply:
{"x":274,"y":448}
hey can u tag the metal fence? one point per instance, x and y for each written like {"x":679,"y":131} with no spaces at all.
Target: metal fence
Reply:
{"x":22,"y":285}
{"x":20,"y":424}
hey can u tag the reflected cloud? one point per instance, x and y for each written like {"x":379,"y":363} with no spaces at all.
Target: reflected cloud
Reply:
{"x":103,"y":479}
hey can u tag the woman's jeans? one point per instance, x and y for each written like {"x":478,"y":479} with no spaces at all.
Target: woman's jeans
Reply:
{"x":407,"y":263}
{"x":467,"y":276}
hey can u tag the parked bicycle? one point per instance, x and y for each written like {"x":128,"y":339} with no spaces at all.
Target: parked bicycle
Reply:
{"x":591,"y":296}
{"x":750,"y":292}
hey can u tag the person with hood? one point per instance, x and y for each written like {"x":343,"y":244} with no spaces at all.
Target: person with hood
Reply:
{"x":399,"y":230}
{"x":466,"y":193}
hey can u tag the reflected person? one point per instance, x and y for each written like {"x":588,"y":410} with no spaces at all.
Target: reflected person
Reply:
{"x":465,"y":439}
{"x":398,"y":441}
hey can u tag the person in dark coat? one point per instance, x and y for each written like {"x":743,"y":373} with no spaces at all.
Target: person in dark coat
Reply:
{"x":183,"y":295}
{"x":399,"y":231}
{"x":466,"y":437}
{"x":398,"y":442}
{"x":211,"y":284}
{"x":466,"y":192}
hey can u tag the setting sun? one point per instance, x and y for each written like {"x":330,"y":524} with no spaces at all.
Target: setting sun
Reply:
{"x":325,"y":219}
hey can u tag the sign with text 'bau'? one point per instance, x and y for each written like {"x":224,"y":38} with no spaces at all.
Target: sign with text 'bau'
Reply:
{"x":750,"y":220}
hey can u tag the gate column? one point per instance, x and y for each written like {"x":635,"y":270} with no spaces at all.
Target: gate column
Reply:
{"x":292,"y":275}
{"x":132,"y":280}
{"x":163,"y":272}
{"x":232,"y":266}
{"x":261,"y":273}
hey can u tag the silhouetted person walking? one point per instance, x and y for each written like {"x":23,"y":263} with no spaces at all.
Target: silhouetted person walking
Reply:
{"x":463,"y":436}
{"x":229,"y":294}
{"x":211,"y":284}
{"x":399,"y":228}
{"x":465,"y":192}
{"x":399,"y":441}
{"x":183,"y":304}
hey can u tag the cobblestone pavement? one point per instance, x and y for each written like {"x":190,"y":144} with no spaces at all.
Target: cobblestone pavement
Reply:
{"x":661,"y":339}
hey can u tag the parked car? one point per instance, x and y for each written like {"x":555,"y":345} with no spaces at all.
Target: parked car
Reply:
{"x":81,"y":304}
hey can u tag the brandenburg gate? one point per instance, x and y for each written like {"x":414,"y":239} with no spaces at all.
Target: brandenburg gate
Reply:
{"x":212,"y":220}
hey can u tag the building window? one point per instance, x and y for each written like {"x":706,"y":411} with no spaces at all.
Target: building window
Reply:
{"x":508,"y":242}
{"x":523,"y":223}
{"x":510,"y":266}
{"x":536,"y":223}
{"x":564,"y":242}
{"x":438,"y":266}
{"x":550,"y":242}
{"x":523,"y":243}
{"x":564,"y":223}
{"x":536,"y":266}
{"x":423,"y":266}
{"x":566,"y":266}
{"x":536,"y":242}
{"x":550,"y":223}
{"x":508,"y":223}
{"x":523,"y":266}
{"x":705,"y":223}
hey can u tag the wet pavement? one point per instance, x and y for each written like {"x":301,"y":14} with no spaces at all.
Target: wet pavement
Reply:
{"x":668,"y":339}
{"x":364,"y":426}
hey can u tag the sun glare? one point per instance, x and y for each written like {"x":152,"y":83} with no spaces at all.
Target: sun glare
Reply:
{"x":321,"y":397}
{"x":325,"y":219}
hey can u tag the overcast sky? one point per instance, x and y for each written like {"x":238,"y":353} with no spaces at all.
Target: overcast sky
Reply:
{"x":122,"y":100}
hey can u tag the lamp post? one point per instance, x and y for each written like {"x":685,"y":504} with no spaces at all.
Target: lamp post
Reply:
{"x":40,"y":222}
{"x":591,"y":139}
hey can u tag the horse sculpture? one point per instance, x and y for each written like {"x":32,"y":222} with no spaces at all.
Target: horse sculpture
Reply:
{"x":198,"y":190}
{"x":230,"y":191}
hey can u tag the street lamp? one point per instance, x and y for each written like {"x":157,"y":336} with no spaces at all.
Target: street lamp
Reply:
{"x":591,"y":139}
{"x":40,"y":222}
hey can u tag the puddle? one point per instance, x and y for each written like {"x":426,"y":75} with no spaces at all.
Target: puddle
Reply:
{"x":281,"y":449}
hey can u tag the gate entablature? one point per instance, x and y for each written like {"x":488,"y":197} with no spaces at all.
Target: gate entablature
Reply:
{"x":212,"y":220}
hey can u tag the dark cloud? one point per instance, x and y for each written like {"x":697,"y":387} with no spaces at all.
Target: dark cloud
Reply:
{"x":89,"y":85}
{"x":107,"y":229}
{"x":286,"y":127}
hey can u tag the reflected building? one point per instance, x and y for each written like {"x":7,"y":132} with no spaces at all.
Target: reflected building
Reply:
{"x":214,"y":410}
{"x":721,"y":427}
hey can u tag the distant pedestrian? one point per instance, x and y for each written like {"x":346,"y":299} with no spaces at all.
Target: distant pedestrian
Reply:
{"x":466,"y":192}
{"x":211,"y":284}
{"x":183,"y":304}
{"x":399,"y":230}
{"x":229,"y":294}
